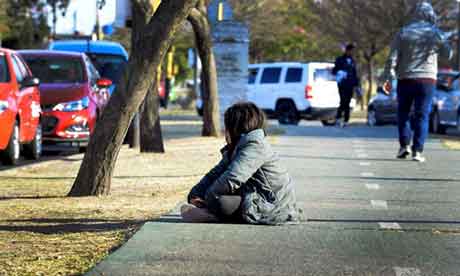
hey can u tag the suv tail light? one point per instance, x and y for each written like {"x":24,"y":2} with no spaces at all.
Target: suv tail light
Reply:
{"x":308,"y":94}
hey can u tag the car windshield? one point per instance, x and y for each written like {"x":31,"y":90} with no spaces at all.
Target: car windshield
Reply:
{"x":109,"y":66}
{"x":324,"y":75}
{"x":56,"y":69}
{"x":4,"y":76}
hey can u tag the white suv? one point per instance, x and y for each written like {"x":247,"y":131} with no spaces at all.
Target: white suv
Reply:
{"x":291,"y":91}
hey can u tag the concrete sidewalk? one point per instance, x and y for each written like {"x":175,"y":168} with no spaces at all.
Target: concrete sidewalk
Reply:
{"x":366,"y":213}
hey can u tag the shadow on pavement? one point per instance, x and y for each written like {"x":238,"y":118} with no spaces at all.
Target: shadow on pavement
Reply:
{"x":339,"y":158}
{"x":394,"y":179}
{"x":53,"y":226}
{"x":352,"y":132}
{"x":114,"y":177}
{"x":355,"y":131}
{"x":28,"y":197}
{"x":384,"y":221}
{"x":49,"y":154}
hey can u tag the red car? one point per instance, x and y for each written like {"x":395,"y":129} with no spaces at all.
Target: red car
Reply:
{"x":72,"y":95}
{"x":19,"y":109}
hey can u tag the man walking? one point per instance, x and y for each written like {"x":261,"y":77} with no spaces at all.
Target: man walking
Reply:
{"x":413,"y":61}
{"x":347,"y":80}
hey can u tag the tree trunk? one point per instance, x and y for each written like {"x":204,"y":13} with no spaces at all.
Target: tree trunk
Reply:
{"x":134,"y":132}
{"x":202,"y":29}
{"x":151,"y":136}
{"x":95,"y":174}
{"x":370,"y":80}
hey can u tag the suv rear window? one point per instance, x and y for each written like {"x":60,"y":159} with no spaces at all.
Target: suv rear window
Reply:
{"x":294,"y":75}
{"x":109,"y":66}
{"x":323,"y":75}
{"x":56,"y":69}
{"x":4,"y":73}
{"x":252,"y":75}
{"x":271,"y":75}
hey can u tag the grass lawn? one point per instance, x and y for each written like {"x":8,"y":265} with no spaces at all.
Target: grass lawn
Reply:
{"x":42,"y":232}
{"x":450,"y":141}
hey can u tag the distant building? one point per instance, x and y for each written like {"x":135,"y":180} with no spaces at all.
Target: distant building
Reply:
{"x":80,"y":17}
{"x":123,"y":13}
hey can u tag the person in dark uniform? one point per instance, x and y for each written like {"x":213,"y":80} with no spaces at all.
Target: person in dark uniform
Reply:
{"x":347,"y":80}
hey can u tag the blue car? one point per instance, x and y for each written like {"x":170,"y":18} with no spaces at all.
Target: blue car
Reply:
{"x":109,"y":58}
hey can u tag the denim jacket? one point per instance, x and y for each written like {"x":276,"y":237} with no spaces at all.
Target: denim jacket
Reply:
{"x":254,"y":171}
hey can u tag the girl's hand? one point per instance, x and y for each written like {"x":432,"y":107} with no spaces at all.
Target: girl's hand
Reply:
{"x":198,"y":202}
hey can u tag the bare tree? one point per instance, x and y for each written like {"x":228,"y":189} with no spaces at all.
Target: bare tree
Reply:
{"x":150,"y":136}
{"x":370,"y":24}
{"x":152,"y":42}
{"x":202,"y":29}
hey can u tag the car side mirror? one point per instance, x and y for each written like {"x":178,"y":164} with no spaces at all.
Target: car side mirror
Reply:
{"x":30,"y":82}
{"x":104,"y":83}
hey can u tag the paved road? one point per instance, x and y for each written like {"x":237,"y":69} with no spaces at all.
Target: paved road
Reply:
{"x":365,"y":214}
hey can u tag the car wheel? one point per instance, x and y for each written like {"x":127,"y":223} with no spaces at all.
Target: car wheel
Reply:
{"x":199,"y":111}
{"x":372,"y":118}
{"x":11,"y":154}
{"x":287,"y":113}
{"x":431,"y":123}
{"x":437,"y":126}
{"x":34,"y":149}
{"x":328,"y":122}
{"x":458,"y":122}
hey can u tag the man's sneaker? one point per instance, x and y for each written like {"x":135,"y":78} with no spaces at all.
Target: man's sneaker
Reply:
{"x":344,"y":124}
{"x":404,"y":152}
{"x":418,"y":157}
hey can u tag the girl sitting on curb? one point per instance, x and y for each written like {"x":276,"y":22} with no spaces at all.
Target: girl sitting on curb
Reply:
{"x":248,"y":185}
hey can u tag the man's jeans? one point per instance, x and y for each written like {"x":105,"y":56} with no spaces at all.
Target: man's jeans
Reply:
{"x":419,"y":94}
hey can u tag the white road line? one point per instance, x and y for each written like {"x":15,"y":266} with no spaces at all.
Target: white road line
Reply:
{"x":362,"y":155}
{"x":407,"y":271}
{"x":389,"y":226}
{"x":365,"y":164}
{"x":373,"y":186}
{"x":367,"y":174}
{"x":379,"y":204}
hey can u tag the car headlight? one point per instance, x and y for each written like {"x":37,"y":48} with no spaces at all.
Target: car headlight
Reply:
{"x":79,"y":105}
{"x":3,"y":106}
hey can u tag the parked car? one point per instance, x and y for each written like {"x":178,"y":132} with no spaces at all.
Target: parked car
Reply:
{"x":294,"y":91}
{"x":109,"y":58}
{"x":383,"y":108}
{"x":72,"y":94}
{"x":19,"y":110}
{"x":446,"y":111}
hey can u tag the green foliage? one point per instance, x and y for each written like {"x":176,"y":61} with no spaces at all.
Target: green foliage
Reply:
{"x":182,"y":43}
{"x":285,"y":31}
{"x":22,"y":23}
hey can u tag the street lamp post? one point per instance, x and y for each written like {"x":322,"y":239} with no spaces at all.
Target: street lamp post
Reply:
{"x":99,"y":5}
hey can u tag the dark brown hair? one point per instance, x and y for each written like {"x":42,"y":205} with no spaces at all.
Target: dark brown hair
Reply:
{"x":242,"y":118}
